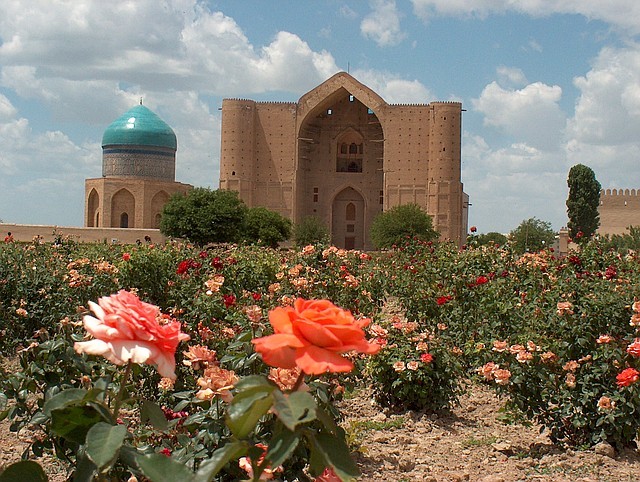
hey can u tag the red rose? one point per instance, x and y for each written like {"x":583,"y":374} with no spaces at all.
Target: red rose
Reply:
{"x":627,"y":377}
{"x":426,"y":357}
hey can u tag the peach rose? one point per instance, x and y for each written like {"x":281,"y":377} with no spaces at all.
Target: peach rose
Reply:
{"x":127,"y":329}
{"x":311,"y":335}
{"x":634,"y":348}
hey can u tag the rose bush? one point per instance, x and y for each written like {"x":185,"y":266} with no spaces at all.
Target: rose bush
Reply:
{"x":451,"y":304}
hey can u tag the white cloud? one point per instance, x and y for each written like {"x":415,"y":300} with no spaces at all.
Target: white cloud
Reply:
{"x":179,"y":46}
{"x":517,"y":181}
{"x":347,"y":12}
{"x":7,"y":110}
{"x":603,"y":132}
{"x":382,"y":25}
{"x":608,"y":108}
{"x":393,"y":89}
{"x":531,"y":114}
{"x":625,"y":14}
{"x":511,"y":76}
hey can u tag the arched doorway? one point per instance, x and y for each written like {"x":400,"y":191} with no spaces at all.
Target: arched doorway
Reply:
{"x":347,"y":219}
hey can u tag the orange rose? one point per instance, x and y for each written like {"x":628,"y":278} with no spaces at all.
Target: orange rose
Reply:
{"x":129,"y":330}
{"x":311,"y":334}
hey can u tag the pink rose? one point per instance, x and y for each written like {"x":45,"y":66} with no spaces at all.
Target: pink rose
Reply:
{"x":634,"y":348}
{"x":127,"y":329}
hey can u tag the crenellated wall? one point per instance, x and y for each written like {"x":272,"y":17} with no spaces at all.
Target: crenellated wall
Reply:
{"x":619,"y":209}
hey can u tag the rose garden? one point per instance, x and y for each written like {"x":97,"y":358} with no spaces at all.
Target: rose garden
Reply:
{"x":226,"y":363}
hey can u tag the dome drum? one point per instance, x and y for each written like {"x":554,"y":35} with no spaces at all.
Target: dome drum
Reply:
{"x":143,"y":162}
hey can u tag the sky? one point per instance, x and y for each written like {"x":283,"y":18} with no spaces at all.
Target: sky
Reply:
{"x":546,"y":84}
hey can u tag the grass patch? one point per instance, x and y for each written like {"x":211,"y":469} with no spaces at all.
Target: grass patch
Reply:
{"x":479,"y":442}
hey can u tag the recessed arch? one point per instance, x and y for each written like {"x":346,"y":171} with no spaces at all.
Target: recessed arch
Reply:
{"x":93,"y":204}
{"x":157,"y":204}
{"x":123,"y":203}
{"x":347,"y":219}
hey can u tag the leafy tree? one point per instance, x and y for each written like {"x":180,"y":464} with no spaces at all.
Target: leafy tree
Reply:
{"x":396,"y":224}
{"x":532,"y":235}
{"x":311,"y":230}
{"x":582,"y":203}
{"x":265,"y":227}
{"x":204,"y":216}
{"x":624,"y":242}
{"x":498,"y":239}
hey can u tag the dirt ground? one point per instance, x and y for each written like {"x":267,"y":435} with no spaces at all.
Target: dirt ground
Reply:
{"x":468,"y":444}
{"x":471,"y":443}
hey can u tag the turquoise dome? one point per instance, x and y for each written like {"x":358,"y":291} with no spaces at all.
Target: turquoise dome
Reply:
{"x":139,"y":126}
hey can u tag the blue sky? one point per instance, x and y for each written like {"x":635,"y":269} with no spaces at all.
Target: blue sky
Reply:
{"x":546,"y":84}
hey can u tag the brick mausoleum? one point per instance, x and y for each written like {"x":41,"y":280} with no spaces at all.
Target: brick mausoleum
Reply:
{"x":342,"y":154}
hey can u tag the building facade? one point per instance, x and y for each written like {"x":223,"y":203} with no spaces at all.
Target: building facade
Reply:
{"x":138,"y":173}
{"x":343,"y":155}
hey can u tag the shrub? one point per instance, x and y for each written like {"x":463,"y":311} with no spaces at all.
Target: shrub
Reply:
{"x":204,"y":216}
{"x":265,"y":227}
{"x":399,"y":223}
{"x":311,"y":230}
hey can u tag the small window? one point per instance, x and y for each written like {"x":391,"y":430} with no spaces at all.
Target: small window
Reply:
{"x":351,"y":98}
{"x":329,"y":111}
{"x":351,"y":228}
{"x":124,"y":220}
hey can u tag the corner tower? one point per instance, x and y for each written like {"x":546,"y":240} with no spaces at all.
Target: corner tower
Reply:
{"x":138,"y":172}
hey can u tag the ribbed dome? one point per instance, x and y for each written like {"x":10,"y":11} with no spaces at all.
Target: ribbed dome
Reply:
{"x":141,"y":127}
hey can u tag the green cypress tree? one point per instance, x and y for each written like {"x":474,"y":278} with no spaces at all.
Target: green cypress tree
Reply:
{"x":582,"y":203}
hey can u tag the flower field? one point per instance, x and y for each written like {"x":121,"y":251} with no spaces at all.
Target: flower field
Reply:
{"x":179,"y":363}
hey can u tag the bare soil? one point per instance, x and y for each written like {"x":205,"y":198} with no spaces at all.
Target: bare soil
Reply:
{"x":468,"y":443}
{"x":472,"y":443}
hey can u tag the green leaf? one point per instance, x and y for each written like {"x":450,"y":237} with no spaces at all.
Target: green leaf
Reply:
{"x":253,"y":381}
{"x":71,"y":396}
{"x":327,"y":420}
{"x":246,"y":409}
{"x":221,"y":457}
{"x":152,"y":413}
{"x":336,"y":453}
{"x":160,"y":468}
{"x":281,"y":446}
{"x":103,"y":443}
{"x":295,"y":408}
{"x":24,"y":470}
{"x":73,"y":423}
